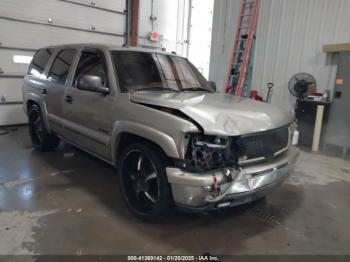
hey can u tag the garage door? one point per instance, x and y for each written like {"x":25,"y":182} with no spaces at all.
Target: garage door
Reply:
{"x":28,"y":25}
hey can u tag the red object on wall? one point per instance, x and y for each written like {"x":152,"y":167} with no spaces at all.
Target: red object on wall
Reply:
{"x":255,"y":96}
{"x":154,"y":36}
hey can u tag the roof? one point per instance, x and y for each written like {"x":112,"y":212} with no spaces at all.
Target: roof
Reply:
{"x":115,"y":48}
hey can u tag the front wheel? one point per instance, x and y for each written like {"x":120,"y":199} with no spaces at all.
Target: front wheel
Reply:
{"x":144,"y":184}
{"x":41,"y":139}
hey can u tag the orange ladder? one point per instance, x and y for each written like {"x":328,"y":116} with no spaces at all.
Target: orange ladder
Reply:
{"x":242,"y":46}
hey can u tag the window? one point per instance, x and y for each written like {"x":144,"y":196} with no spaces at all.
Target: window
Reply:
{"x":136,"y":70}
{"x":39,"y":62}
{"x":22,"y":59}
{"x":91,"y":64}
{"x":60,"y":68}
{"x":180,"y":73}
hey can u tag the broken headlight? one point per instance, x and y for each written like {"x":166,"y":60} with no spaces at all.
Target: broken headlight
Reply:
{"x":205,"y":153}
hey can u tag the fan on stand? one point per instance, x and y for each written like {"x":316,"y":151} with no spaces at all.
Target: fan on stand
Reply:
{"x":300,"y":85}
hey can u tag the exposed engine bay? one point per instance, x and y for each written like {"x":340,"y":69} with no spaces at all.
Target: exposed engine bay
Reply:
{"x":208,"y":153}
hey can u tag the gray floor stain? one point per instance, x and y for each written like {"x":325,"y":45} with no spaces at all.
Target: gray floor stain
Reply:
{"x":15,"y":183}
{"x":314,"y":169}
{"x":17,"y":230}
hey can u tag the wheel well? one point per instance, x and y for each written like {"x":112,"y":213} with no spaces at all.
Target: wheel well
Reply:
{"x":126,"y":139}
{"x":30,"y":103}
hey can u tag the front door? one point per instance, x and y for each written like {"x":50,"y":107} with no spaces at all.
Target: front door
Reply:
{"x":87,"y":114}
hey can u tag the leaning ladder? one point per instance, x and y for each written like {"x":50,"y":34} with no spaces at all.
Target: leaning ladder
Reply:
{"x":242,"y":47}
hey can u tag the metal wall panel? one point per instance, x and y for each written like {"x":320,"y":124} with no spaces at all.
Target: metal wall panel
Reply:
{"x":290,"y":37}
{"x":35,"y":36}
{"x":12,"y":87}
{"x":225,"y":19}
{"x":171,"y":24}
{"x":107,"y":4}
{"x":200,"y":34}
{"x":25,"y":26}
{"x":64,"y":14}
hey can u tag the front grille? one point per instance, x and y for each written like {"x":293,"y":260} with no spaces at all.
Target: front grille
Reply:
{"x":262,"y":145}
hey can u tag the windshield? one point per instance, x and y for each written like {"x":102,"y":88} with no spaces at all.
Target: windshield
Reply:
{"x":138,"y":71}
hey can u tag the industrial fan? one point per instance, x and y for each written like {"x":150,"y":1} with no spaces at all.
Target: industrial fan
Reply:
{"x":300,"y":85}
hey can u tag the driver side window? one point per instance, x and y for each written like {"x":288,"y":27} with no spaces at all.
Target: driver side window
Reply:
{"x":91,"y":64}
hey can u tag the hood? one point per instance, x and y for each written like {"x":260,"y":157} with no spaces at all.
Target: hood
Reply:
{"x":218,"y":113}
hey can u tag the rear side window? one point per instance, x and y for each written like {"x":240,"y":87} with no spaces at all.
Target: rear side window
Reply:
{"x":39,"y":61}
{"x":60,"y":67}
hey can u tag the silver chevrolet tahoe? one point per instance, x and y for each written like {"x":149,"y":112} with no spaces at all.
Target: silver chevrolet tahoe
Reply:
{"x":174,"y":140}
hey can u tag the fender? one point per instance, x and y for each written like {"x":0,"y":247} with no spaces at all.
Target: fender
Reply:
{"x":163,"y":140}
{"x":41,"y":102}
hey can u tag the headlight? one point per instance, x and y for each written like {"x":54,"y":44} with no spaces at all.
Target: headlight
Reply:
{"x":206,"y":153}
{"x":293,"y":134}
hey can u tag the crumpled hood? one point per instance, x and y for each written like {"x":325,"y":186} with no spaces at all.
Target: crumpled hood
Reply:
{"x":218,"y":113}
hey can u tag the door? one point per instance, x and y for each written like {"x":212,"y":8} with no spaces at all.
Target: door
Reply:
{"x":88,"y":114}
{"x":338,"y":131}
{"x":55,"y":86}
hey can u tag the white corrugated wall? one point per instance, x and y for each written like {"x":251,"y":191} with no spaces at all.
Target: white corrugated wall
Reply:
{"x":225,"y":18}
{"x":289,"y":40}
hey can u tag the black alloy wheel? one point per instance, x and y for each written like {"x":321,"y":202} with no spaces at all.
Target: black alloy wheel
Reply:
{"x":143,"y":181}
{"x":41,"y":139}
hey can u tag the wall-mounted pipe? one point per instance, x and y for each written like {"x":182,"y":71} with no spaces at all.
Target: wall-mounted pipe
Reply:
{"x":127,"y":23}
{"x":189,"y":19}
{"x":134,"y":22}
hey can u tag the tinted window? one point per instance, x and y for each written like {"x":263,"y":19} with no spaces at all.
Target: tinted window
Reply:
{"x":91,"y":64}
{"x":39,"y":62}
{"x":180,"y":73}
{"x":136,"y":70}
{"x":60,"y":68}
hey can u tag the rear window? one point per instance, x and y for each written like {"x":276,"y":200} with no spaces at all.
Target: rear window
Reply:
{"x":39,"y":61}
{"x":60,"y":68}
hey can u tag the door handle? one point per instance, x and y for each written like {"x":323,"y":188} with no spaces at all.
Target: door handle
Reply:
{"x":44,"y":91}
{"x":68,"y":99}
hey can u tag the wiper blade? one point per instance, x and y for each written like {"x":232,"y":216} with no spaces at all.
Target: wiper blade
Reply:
{"x":156,"y":88}
{"x":196,"y":89}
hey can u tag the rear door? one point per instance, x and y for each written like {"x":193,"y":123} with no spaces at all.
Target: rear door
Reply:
{"x":88,"y":116}
{"x":35,"y":80}
{"x":56,"y":82}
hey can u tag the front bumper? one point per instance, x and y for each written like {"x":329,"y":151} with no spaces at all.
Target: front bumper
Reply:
{"x":195,"y":192}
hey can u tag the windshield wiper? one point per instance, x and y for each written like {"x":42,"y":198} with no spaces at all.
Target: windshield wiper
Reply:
{"x":156,"y":88}
{"x":196,"y":88}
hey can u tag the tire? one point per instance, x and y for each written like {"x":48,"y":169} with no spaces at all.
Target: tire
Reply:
{"x":41,"y":139}
{"x":144,"y":185}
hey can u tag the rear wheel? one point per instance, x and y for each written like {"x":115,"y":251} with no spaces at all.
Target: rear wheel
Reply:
{"x":144,"y":184}
{"x":41,"y":139}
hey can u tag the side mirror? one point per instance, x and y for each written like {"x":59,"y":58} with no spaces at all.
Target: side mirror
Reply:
{"x":212,"y":85}
{"x":92,"y":83}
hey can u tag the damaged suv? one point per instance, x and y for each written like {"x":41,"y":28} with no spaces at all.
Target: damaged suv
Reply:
{"x":174,"y":140}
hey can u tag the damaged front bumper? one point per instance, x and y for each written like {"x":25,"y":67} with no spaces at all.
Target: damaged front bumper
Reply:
{"x":212,"y":190}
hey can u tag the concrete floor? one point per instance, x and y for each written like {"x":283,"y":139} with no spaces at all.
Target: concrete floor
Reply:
{"x":66,"y":202}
